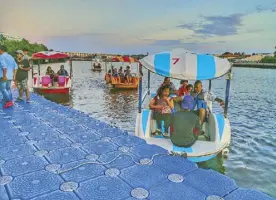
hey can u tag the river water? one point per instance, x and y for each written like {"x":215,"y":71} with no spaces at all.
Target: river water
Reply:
{"x":252,"y":110}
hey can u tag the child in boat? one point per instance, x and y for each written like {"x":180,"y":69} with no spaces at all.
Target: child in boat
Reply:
{"x":162,"y":105}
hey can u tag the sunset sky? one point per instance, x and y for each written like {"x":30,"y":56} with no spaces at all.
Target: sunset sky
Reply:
{"x":140,"y":26}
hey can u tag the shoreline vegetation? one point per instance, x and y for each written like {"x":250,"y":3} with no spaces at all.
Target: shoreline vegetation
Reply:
{"x":239,"y":59}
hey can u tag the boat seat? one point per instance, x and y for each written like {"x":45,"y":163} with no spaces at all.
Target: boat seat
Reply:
{"x":61,"y":81}
{"x":46,"y":80}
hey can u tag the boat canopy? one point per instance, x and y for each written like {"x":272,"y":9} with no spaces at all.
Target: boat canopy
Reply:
{"x":124,"y":59}
{"x":185,"y":65}
{"x":49,"y":55}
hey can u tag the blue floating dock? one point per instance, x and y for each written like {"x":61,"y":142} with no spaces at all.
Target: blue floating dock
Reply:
{"x":52,"y":152}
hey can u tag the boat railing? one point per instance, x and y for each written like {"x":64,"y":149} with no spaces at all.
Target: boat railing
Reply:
{"x":145,"y":95}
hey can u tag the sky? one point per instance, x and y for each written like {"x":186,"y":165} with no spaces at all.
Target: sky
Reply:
{"x":141,"y":26}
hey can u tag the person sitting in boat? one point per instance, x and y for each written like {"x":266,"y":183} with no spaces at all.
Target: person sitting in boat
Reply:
{"x":49,"y":71}
{"x":182,"y":90}
{"x":128,"y":76}
{"x":186,"y":124}
{"x":116,"y":75}
{"x":201,"y":97}
{"x":162,"y":105}
{"x":120,"y":70}
{"x":167,"y":81}
{"x":188,"y":90}
{"x":62,"y":71}
{"x":52,"y":74}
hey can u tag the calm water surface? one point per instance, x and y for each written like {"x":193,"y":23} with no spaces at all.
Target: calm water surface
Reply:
{"x":252,"y":158}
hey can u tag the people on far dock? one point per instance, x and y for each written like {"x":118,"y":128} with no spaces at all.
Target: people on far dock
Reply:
{"x":62,"y":71}
{"x":8,"y":68}
{"x":21,"y":81}
{"x":162,"y":105}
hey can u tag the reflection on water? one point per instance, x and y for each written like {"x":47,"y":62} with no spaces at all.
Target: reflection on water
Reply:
{"x":252,"y":158}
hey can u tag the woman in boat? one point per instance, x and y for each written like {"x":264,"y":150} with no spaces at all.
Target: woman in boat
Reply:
{"x":162,"y":105}
{"x":51,"y":73}
{"x":167,"y":81}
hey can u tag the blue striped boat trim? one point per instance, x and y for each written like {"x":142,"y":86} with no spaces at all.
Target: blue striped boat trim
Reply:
{"x":206,"y":67}
{"x":162,"y":64}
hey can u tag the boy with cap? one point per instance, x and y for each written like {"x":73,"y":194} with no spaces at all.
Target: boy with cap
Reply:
{"x":22,"y":76}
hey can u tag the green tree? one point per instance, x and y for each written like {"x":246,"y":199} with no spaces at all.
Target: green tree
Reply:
{"x":13,"y":45}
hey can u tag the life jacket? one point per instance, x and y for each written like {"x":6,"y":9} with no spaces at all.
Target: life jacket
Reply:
{"x":199,"y":101}
{"x":188,"y":102}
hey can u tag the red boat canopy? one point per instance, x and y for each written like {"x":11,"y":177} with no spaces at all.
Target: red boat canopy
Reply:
{"x":124,"y":59}
{"x":49,"y":55}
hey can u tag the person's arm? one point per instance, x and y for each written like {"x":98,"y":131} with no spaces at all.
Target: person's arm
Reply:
{"x":153,"y":106}
{"x":27,"y":66}
{"x":170,"y":102}
{"x":4,"y":69}
{"x":209,"y":96}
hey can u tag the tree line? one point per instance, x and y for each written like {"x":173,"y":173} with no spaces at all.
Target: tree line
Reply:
{"x":14,"y":45}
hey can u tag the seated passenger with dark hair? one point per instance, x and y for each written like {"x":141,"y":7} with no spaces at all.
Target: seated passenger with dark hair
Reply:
{"x":186,"y":124}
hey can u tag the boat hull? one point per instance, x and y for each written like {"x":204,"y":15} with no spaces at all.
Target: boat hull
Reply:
{"x":44,"y":90}
{"x":217,"y":129}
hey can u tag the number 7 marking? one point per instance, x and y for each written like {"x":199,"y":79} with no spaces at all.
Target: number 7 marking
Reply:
{"x":175,"y":60}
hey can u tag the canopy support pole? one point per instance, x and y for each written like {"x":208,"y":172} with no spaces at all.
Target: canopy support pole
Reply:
{"x":210,"y":85}
{"x":38,"y":67}
{"x":140,"y":91}
{"x":71,"y":68}
{"x":227,"y":92}
{"x":148,"y":82}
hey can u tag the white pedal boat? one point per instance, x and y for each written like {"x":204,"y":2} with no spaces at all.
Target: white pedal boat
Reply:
{"x":190,"y":66}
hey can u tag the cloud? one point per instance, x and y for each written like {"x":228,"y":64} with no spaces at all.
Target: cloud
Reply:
{"x":267,"y":8}
{"x":216,"y":25}
{"x":166,"y":42}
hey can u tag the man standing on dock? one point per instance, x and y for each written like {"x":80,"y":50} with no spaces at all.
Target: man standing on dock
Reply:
{"x":22,"y":76}
{"x":8,"y":68}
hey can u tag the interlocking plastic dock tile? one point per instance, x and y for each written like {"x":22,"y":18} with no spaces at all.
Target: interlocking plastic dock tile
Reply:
{"x":24,"y":165}
{"x":146,"y":176}
{"x":103,"y":188}
{"x":52,"y":152}
{"x":99,"y":147}
{"x":33,"y":184}
{"x":175,"y":191}
{"x":82,"y":173}
{"x":17,"y":151}
{"x":58,"y":195}
{"x":65,"y":155}
{"x":120,"y":160}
